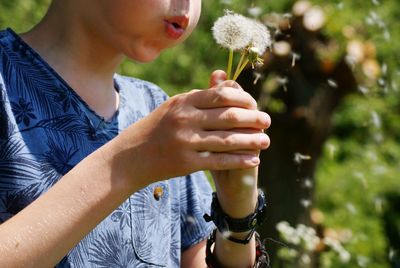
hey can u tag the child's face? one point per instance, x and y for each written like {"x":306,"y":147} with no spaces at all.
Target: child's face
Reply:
{"x":140,"y":29}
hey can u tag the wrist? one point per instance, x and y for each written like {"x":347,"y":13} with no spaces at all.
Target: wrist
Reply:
{"x":237,"y":193}
{"x":239,"y":206}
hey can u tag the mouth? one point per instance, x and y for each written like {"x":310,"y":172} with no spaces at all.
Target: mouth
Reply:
{"x":175,"y":26}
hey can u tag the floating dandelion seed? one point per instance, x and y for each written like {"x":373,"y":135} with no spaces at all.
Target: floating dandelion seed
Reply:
{"x":248,"y":180}
{"x":254,"y":11}
{"x":295,"y":57}
{"x":298,"y":158}
{"x":305,"y":203}
{"x":362,"y":261}
{"x":241,"y":34}
{"x":364,"y":90}
{"x":331,"y":150}
{"x":226,"y":2}
{"x":307,"y":183}
{"x":393,"y":254}
{"x":226,"y":234}
{"x":378,"y":202}
{"x":332,"y":83}
{"x":351,"y":208}
{"x":204,"y":154}
{"x":257,"y":76}
{"x":190,"y":219}
{"x":384,"y":68}
{"x":375,"y":119}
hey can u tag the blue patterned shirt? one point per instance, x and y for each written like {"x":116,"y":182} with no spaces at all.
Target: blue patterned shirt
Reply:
{"x":46,"y":129}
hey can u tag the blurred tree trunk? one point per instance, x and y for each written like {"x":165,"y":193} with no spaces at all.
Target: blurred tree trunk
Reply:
{"x":300,"y":90}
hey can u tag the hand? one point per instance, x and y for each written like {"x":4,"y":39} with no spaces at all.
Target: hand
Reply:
{"x":236,"y":188}
{"x":198,"y":130}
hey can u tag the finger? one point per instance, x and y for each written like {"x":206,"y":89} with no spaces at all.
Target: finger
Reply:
{"x":221,"y":97}
{"x":217,"y":77}
{"x":226,"y":141}
{"x":227,"y":161}
{"x":228,"y":83}
{"x":233,"y":118}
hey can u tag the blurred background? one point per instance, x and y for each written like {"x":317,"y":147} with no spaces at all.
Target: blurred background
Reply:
{"x":331,"y":85}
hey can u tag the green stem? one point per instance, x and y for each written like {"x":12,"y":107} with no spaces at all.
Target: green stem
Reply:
{"x":239,"y":64}
{"x":241,"y":69}
{"x":230,"y":63}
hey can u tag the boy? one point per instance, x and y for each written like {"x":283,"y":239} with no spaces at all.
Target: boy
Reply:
{"x":83,"y":151}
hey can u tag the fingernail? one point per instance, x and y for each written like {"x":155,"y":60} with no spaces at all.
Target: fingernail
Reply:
{"x":263,"y":140}
{"x":219,"y":81}
{"x":254,"y":160}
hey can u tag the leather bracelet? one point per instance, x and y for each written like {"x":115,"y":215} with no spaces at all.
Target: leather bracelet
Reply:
{"x":226,"y":224}
{"x":262,"y":257}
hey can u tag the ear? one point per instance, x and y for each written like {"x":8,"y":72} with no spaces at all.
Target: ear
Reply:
{"x":217,"y":77}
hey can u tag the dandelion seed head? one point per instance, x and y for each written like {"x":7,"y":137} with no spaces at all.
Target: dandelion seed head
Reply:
{"x":237,"y":32}
{"x":260,"y":36}
{"x":231,"y":31}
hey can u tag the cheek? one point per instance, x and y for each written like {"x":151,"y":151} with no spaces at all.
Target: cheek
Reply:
{"x":195,"y":11}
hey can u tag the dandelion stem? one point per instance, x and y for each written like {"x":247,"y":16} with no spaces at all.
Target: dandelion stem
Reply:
{"x":239,"y":64}
{"x":241,"y":69}
{"x":230,"y":63}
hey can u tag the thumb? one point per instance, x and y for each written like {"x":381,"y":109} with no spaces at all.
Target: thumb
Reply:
{"x":217,"y":77}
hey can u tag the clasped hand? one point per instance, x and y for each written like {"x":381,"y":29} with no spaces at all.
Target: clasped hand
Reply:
{"x":215,"y":129}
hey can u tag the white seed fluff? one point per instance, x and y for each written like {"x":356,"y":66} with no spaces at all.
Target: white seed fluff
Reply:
{"x":260,"y":36}
{"x":231,"y":31}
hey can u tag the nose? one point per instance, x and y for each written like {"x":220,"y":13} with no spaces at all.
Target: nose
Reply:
{"x":180,"y":7}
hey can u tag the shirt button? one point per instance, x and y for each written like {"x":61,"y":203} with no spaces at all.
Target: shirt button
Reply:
{"x":158,"y":192}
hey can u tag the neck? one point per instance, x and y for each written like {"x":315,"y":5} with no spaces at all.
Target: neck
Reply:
{"x":84,"y":60}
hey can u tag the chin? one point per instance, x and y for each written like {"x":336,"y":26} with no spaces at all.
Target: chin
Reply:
{"x":145,"y":54}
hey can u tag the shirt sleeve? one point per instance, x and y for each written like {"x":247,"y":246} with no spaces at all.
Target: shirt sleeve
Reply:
{"x":195,"y":200}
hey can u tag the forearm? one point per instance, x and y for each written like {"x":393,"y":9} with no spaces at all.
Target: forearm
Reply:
{"x":43,"y":233}
{"x":228,"y":253}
